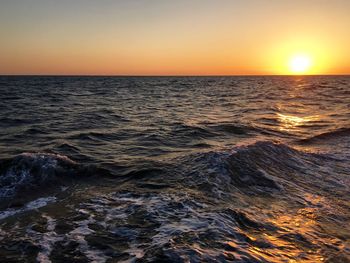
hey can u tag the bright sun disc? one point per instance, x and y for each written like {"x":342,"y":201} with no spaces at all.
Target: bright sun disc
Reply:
{"x":300,"y":64}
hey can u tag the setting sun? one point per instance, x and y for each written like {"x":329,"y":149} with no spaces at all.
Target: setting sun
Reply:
{"x":300,"y":64}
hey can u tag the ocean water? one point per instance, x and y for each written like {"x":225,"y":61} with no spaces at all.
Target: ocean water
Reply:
{"x":175,"y":169}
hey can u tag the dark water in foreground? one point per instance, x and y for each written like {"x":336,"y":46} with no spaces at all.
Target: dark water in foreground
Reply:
{"x":225,"y":169}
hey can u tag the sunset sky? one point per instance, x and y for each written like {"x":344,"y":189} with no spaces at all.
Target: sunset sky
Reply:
{"x":183,"y":37}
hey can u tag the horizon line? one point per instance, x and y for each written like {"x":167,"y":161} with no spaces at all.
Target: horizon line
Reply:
{"x":174,"y":75}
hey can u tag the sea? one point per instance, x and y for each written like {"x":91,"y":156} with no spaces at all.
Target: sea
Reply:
{"x":175,"y":169}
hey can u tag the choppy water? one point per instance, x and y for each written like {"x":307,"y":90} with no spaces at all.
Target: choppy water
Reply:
{"x":175,"y":169}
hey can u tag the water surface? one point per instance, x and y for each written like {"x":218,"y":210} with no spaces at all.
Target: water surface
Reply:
{"x":175,"y":169}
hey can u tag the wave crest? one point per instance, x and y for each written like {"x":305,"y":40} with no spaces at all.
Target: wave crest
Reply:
{"x":263,"y":167}
{"x":338,"y":133}
{"x":30,"y":170}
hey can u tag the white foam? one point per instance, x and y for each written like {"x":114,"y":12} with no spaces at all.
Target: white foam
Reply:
{"x":78,"y":235}
{"x":47,"y":240}
{"x":38,"y":203}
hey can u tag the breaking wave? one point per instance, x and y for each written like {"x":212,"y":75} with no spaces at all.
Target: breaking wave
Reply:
{"x":32,"y":171}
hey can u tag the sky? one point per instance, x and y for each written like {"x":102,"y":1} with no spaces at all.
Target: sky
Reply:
{"x":167,"y":37}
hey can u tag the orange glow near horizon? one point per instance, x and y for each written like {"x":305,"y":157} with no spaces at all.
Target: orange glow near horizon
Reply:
{"x":283,"y":60}
{"x":305,"y":56}
{"x":174,"y":38}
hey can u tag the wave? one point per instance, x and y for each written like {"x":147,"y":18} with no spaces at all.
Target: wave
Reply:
{"x":269,"y":166}
{"x":248,"y":167}
{"x":260,"y":167}
{"x":191,"y":131}
{"x":95,"y":136}
{"x":212,"y":129}
{"x":338,"y":133}
{"x":233,"y":128}
{"x":263,"y":167}
{"x":198,"y":207}
{"x":29,"y":171}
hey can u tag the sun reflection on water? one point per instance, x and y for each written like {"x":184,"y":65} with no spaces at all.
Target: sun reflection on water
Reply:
{"x":283,"y":244}
{"x":293,"y":240}
{"x":290,"y":122}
